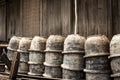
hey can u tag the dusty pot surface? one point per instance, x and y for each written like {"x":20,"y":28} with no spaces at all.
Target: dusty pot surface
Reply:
{"x":96,"y":45}
{"x":74,"y":43}
{"x":36,"y":69}
{"x":23,"y":68}
{"x":53,"y":59}
{"x":36,"y":57}
{"x":73,"y":74}
{"x":97,"y":74}
{"x":38,"y":43}
{"x":115,"y":46}
{"x":115,"y":65}
{"x":98,"y":63}
{"x":14,"y":43}
{"x":53,"y":72}
{"x":24,"y":44}
{"x":73,"y":62}
{"x":54,"y":43}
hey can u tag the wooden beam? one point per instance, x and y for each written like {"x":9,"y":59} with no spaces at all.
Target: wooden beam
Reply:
{"x":14,"y":67}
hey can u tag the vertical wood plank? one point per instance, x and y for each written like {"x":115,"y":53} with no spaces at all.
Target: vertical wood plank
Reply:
{"x":3,"y":21}
{"x":13,"y":18}
{"x":46,"y":17}
{"x":34,"y":17}
{"x":92,"y":17}
{"x":44,"y":26}
{"x":21,"y":18}
{"x":31,"y":18}
{"x":102,"y":16}
{"x":52,"y":17}
{"x":16,"y":22}
{"x":41,"y":17}
{"x":115,"y":16}
{"x":109,"y":19}
{"x":82,"y":17}
{"x":66,"y":17}
{"x":26,"y":18}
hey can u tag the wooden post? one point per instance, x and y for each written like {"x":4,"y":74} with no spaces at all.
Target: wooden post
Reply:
{"x":14,"y":66}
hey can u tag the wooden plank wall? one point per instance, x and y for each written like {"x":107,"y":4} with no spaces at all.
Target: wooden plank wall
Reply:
{"x":2,"y":20}
{"x":46,"y":17}
{"x":13,"y":18}
{"x":94,"y":17}
{"x":30,"y":17}
{"x":116,"y":16}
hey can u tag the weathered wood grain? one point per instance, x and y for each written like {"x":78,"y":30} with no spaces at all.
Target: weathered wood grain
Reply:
{"x":13,"y":18}
{"x":30,"y":18}
{"x":46,"y":17}
{"x":116,"y":16}
{"x":66,"y":17}
{"x":3,"y":21}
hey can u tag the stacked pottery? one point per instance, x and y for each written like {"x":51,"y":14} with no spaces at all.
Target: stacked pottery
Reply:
{"x":53,"y":56}
{"x":12,"y":47}
{"x":73,"y":61}
{"x":37,"y":56}
{"x":115,"y":56}
{"x":24,"y":45}
{"x":96,"y":54}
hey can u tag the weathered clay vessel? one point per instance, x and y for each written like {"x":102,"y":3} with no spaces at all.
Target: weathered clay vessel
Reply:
{"x":96,"y":54}
{"x":14,"y":43}
{"x":13,"y":46}
{"x":73,"y":61}
{"x":53,"y":56}
{"x":55,"y":43}
{"x":115,"y":55}
{"x":38,"y":43}
{"x":96,"y":45}
{"x":37,"y":56}
{"x":97,"y":75}
{"x":24,"y":45}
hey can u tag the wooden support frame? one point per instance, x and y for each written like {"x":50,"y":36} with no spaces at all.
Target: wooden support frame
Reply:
{"x":14,"y":66}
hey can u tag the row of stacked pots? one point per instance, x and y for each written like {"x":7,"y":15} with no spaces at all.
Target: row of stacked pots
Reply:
{"x":57,"y":57}
{"x":115,"y":56}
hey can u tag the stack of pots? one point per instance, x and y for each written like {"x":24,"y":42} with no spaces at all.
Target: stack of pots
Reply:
{"x":24,"y":45}
{"x":73,"y":62}
{"x":37,"y":56}
{"x":96,"y":54}
{"x":53,"y":56}
{"x":12,"y":47}
{"x":115,"y":56}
